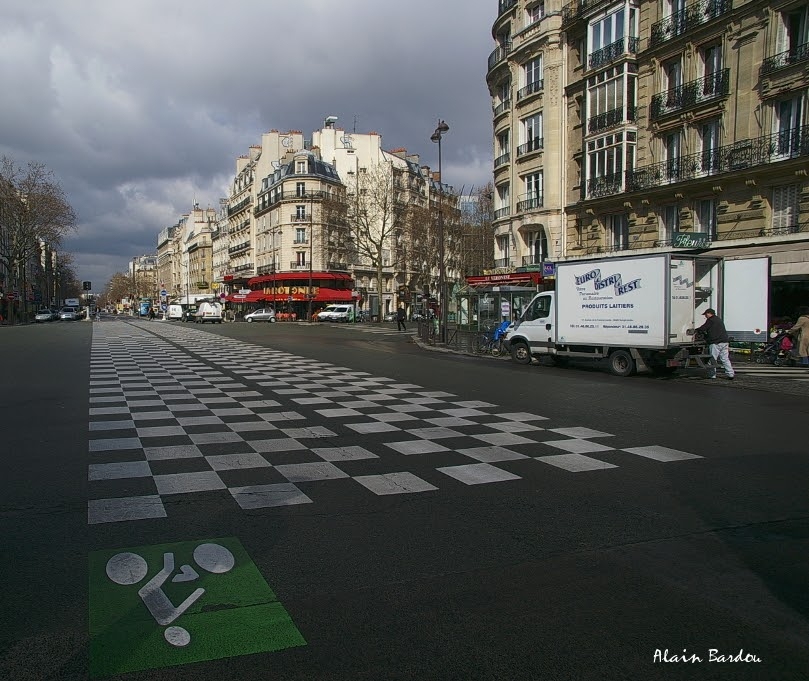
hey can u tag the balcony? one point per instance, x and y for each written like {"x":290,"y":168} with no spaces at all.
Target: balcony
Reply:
{"x":243,"y":267}
{"x":298,"y":266}
{"x":502,"y":107}
{"x":692,"y":16}
{"x":265,"y":269}
{"x":238,"y":207}
{"x":502,"y":213}
{"x":605,"y":185}
{"x":502,"y":160}
{"x":295,"y":217}
{"x":301,"y":242}
{"x":530,"y":89}
{"x":535,"y":144}
{"x":795,"y":228}
{"x":502,"y":263}
{"x":240,"y":247}
{"x":499,"y":54}
{"x":531,"y":203}
{"x":613,"y":51}
{"x":611,"y":118}
{"x":709,"y":88}
{"x":784,"y":59}
{"x":785,"y":145}
{"x":337,"y":266}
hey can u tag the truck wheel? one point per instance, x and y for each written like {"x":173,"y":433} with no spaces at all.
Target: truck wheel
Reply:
{"x":520,"y":352}
{"x":621,"y":363}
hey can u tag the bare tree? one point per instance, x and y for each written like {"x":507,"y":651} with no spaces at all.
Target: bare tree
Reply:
{"x":33,"y":211}
{"x":475,"y":233}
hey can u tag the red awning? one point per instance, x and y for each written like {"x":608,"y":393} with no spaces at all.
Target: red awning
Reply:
{"x":299,"y":276}
{"x":324,"y":295}
{"x":513,"y":279}
{"x":252,"y":297}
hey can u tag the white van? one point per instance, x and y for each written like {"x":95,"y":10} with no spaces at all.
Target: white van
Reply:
{"x":209,"y":312}
{"x":174,"y":312}
{"x":337,"y":313}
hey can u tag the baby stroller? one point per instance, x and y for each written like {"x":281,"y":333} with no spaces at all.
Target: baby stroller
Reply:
{"x":778,"y":351}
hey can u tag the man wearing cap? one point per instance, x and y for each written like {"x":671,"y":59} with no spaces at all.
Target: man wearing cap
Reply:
{"x":714,"y":333}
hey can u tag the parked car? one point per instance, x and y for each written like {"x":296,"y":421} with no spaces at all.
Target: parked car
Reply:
{"x":68,"y":314}
{"x":209,"y":312}
{"x":337,"y":313}
{"x":45,"y":315}
{"x":266,"y":314}
{"x":389,"y":317}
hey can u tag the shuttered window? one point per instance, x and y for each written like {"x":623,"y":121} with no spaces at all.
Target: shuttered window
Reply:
{"x":784,"y":206}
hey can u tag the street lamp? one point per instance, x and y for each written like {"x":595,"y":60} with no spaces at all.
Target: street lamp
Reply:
{"x":440,"y":131}
{"x":311,"y":240}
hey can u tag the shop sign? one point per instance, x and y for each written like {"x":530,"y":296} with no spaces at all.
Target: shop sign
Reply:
{"x":691,"y":240}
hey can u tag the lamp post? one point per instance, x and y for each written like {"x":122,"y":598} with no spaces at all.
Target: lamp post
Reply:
{"x":440,"y":131}
{"x":311,"y":240}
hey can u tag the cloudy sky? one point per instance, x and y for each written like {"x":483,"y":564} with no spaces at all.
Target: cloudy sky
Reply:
{"x":141,"y":107}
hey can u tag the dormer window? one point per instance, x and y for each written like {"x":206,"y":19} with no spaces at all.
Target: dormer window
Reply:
{"x":300,"y":167}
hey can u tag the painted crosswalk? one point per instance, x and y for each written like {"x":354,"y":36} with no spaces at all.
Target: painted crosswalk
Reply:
{"x":796,"y":373}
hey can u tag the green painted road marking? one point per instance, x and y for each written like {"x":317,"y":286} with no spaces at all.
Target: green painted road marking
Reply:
{"x":172,"y":604}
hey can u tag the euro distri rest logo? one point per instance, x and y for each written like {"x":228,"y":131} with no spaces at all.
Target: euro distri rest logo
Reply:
{"x":172,"y":604}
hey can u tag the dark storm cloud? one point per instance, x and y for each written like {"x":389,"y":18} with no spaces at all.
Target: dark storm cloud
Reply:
{"x":142,"y":108}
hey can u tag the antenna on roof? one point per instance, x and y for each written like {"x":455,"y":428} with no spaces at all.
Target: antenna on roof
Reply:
{"x":355,"y":124}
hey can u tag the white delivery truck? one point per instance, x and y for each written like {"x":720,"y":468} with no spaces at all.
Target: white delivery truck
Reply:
{"x":639,"y":313}
{"x":209,"y":312}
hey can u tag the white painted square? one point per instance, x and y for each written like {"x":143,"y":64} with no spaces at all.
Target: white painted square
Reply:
{"x":171,"y":452}
{"x":436,"y":433}
{"x":473,"y":404}
{"x":437,"y":393}
{"x":522,"y":416}
{"x":352,"y":453}
{"x":338,"y":413}
{"x":125,"y":508}
{"x":312,"y":400}
{"x":575,"y":463}
{"x":309,"y":432}
{"x":310,"y":472}
{"x":111,"y":425}
{"x":234,"y":411}
{"x":478,"y":473}
{"x":161,"y":431}
{"x":446,"y":421}
{"x":580,"y":432}
{"x":231,"y":462}
{"x":578,"y":446}
{"x":104,"y":411}
{"x":119,"y":471}
{"x":251,"y":426}
{"x":395,"y":483}
{"x":281,"y":444}
{"x":152,"y":415}
{"x":105,"y":400}
{"x":212,"y":438}
{"x":392,"y":417}
{"x":357,"y":404}
{"x":257,"y":404}
{"x":410,"y":408}
{"x":184,"y":483}
{"x":268,"y":496}
{"x":199,"y":420}
{"x":462,"y":412}
{"x":192,"y":406}
{"x":112,"y":444}
{"x":373,"y":427}
{"x":491,"y":454}
{"x":416,"y":447}
{"x":245,"y":393}
{"x":513,"y":427}
{"x":503,"y":439}
{"x":281,"y":416}
{"x":659,"y":453}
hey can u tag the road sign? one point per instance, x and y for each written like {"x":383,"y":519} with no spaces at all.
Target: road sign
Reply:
{"x":164,"y":306}
{"x":163,"y":293}
{"x":10,"y":295}
{"x":222,"y":296}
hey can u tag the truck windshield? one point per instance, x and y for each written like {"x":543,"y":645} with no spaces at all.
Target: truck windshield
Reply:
{"x":538,"y":309}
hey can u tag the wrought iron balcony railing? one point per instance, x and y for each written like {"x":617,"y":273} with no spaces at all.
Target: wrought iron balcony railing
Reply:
{"x":232,"y":210}
{"x":502,"y":159}
{"x":340,"y":266}
{"x":243,"y":267}
{"x":532,"y":203}
{"x":499,"y":54}
{"x":713,"y":86}
{"x":530,"y":89}
{"x":502,"y":107}
{"x":612,"y":51}
{"x":240,"y":247}
{"x":502,"y":213}
{"x":690,"y":17}
{"x":784,"y":59}
{"x":781,"y":146}
{"x":535,"y":144}
{"x":502,"y":262}
{"x":611,"y":118}
{"x":298,"y":265}
{"x":604,"y":185}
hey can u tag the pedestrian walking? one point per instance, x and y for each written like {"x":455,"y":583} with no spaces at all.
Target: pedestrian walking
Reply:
{"x":802,"y":329}
{"x":152,"y":314}
{"x":400,"y":319}
{"x":715,"y":334}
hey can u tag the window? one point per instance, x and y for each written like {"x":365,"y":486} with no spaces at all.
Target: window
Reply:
{"x":617,"y":227}
{"x":539,"y":309}
{"x":607,"y":158}
{"x":794,"y":31}
{"x":300,"y":235}
{"x":671,"y":222}
{"x":785,"y":208}
{"x":607,"y":30}
{"x":503,"y":247}
{"x":706,"y":217}
{"x":300,"y":258}
{"x":709,"y":137}
{"x":538,"y":244}
{"x":789,"y":117}
{"x":532,"y":77}
{"x":605,"y":98}
{"x":300,"y":212}
{"x":503,"y":198}
{"x":672,"y":150}
{"x":531,"y":131}
{"x":300,"y":189}
{"x":301,"y":167}
{"x":534,"y":13}
{"x":672,"y":78}
{"x":503,"y":143}
{"x":533,"y":191}
{"x":711,"y":70}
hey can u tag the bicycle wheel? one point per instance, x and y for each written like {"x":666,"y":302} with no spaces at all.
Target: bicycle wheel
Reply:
{"x":497,"y":349}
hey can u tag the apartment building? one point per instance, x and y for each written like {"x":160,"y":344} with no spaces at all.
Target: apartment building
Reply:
{"x":687,"y":129}
{"x":526,"y":79}
{"x":184,"y":260}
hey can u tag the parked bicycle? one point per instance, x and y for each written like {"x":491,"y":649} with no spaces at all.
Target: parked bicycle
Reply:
{"x":489,"y":345}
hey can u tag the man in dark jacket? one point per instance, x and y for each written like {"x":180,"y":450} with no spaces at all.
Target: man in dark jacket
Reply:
{"x":714,"y":333}
{"x":400,"y":319}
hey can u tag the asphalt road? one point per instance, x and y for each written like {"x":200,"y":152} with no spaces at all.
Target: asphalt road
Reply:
{"x":368,"y":509}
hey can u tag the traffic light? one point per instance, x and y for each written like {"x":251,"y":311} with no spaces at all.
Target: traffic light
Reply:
{"x":86,"y":286}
